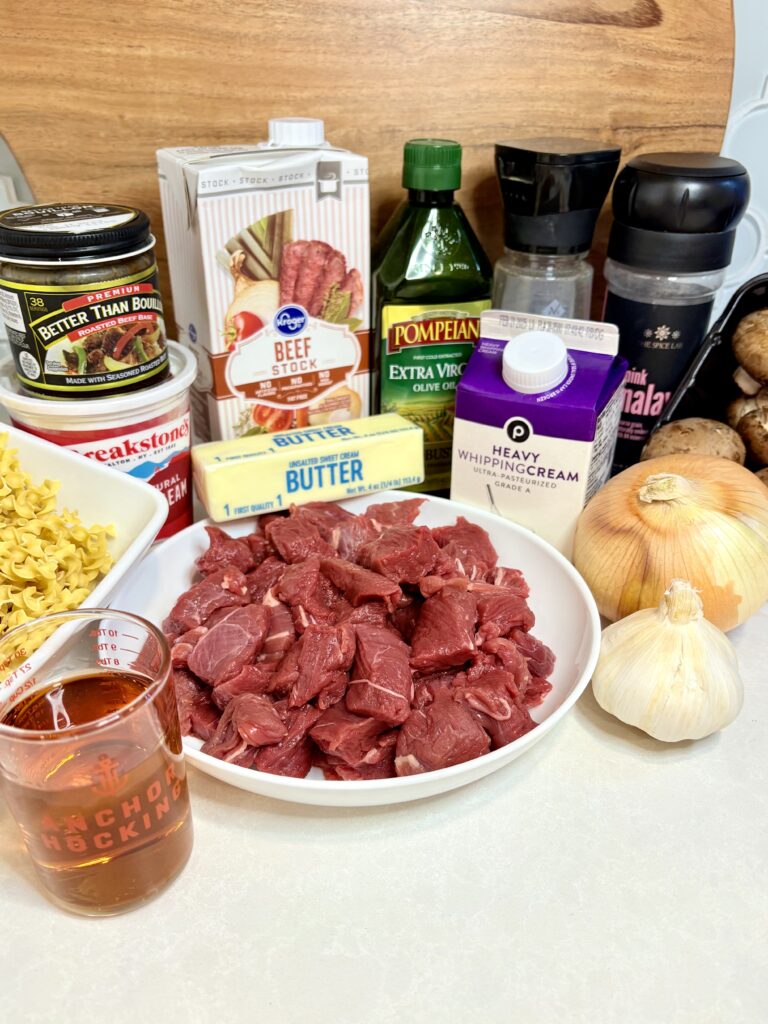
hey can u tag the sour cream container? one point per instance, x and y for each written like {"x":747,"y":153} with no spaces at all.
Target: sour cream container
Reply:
{"x":145,"y":434}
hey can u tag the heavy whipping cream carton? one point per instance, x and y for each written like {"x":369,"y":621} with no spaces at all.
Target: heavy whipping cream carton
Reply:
{"x":537,"y":414}
{"x":269,"y":253}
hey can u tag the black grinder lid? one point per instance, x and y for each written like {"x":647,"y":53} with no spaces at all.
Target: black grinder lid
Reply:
{"x":553,"y":189}
{"x":72,"y":231}
{"x":678,"y":212}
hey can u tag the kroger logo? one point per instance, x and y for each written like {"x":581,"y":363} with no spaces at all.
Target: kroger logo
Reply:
{"x":290,"y":320}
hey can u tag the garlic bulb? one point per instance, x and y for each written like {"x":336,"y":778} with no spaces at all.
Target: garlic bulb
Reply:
{"x":668,"y":671}
{"x":692,"y":516}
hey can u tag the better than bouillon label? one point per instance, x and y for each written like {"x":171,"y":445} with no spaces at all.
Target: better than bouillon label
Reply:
{"x":424,"y":350}
{"x":91,"y":338}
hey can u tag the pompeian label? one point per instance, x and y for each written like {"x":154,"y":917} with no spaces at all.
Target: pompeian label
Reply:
{"x":659,"y":343}
{"x":424,"y":350}
{"x":67,"y":340}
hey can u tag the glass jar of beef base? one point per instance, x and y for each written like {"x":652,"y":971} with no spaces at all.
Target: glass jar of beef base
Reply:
{"x":80,"y":298}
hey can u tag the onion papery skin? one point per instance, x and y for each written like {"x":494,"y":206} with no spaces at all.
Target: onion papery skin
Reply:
{"x":711,"y":529}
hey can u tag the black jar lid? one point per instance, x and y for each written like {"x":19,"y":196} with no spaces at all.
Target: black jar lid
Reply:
{"x":678,"y":212}
{"x":63,"y":232}
{"x":552,"y":190}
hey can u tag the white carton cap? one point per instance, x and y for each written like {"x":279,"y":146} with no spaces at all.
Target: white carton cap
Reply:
{"x":534,"y":361}
{"x":296,"y":132}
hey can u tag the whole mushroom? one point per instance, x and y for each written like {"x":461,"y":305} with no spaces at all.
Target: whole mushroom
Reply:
{"x":695,"y":436}
{"x":750,"y":345}
{"x":740,"y":406}
{"x":753,"y":429}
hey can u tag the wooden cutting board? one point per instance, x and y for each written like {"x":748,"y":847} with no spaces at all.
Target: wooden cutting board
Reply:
{"x":91,"y":90}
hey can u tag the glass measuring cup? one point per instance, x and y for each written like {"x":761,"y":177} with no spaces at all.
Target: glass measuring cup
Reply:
{"x":91,"y":760}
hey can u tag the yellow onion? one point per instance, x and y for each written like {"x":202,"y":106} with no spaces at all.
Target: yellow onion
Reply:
{"x":694,"y":517}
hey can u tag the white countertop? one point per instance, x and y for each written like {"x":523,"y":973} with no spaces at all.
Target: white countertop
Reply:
{"x":603,"y":877}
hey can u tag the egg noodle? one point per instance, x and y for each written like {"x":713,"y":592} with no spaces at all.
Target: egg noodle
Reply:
{"x":49,"y":561}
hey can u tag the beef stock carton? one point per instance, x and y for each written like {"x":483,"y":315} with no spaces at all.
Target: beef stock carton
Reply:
{"x":269,"y":253}
{"x":537,"y":414}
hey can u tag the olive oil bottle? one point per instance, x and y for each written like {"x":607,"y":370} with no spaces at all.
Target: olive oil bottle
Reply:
{"x":431,"y":281}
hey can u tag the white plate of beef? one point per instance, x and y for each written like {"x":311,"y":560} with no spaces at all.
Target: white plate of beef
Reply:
{"x":374,"y":651}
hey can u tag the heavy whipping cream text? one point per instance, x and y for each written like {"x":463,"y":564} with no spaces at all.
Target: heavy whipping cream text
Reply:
{"x":518,"y":463}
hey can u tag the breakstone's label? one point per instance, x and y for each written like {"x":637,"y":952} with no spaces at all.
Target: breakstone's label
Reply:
{"x":157,"y":453}
{"x":424,"y":350}
{"x":97,"y":338}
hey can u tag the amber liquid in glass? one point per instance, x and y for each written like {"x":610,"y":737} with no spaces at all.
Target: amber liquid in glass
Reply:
{"x":105,"y":816}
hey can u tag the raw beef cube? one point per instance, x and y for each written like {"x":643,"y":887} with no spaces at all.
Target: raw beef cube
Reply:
{"x":378,"y":761}
{"x":348,"y":537}
{"x":215,"y":617}
{"x":427,"y":687}
{"x":442,"y":734}
{"x":374,"y":613}
{"x":197,"y":714}
{"x":536,"y":692}
{"x":382,"y":685}
{"x":507,"y":656}
{"x":310,"y":595}
{"x":434,"y":583}
{"x":402,"y":553}
{"x":226,"y":743}
{"x":500,"y":611}
{"x":250,"y":679}
{"x":444,"y":634}
{"x":225,"y":588}
{"x":393,"y":513}
{"x":259,"y":546}
{"x":257,"y":721}
{"x":467,"y":546}
{"x":224,"y":550}
{"x":405,"y":617}
{"x":184,"y":645}
{"x":512,"y":579}
{"x":360,"y":585}
{"x":327,"y":516}
{"x":493,"y":693}
{"x":506,"y":730}
{"x":292,"y":755}
{"x":297,"y":539}
{"x":345,"y":735}
{"x":264,"y":578}
{"x":540,"y":659}
{"x":287,"y":672}
{"x":230,"y":644}
{"x":270,"y":517}
{"x":312,"y":664}
{"x":281,"y":633}
{"x":333,"y":691}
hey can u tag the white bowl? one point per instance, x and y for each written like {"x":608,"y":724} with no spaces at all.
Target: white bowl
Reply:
{"x":566,"y":619}
{"x":99,"y":495}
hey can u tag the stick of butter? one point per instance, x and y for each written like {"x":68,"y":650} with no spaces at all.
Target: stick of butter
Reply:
{"x":269,"y":472}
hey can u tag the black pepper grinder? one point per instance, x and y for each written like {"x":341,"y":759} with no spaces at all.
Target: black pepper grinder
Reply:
{"x":675,"y":219}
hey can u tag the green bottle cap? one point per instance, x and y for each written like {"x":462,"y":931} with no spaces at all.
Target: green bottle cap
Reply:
{"x":433,"y":165}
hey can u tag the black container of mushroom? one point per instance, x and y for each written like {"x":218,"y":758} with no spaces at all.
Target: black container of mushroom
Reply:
{"x":726,"y":384}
